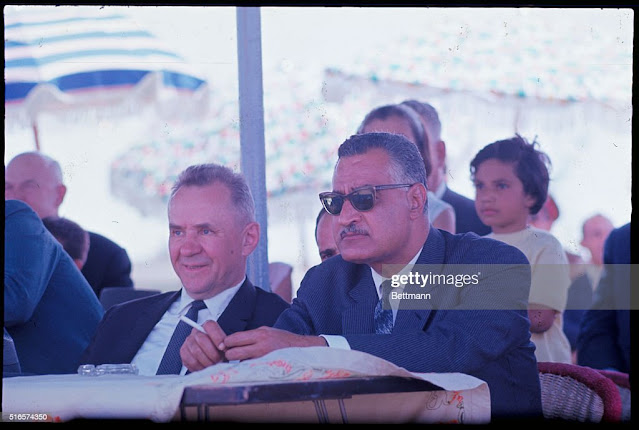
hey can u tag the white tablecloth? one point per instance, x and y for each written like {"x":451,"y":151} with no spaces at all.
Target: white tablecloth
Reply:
{"x":66,"y":397}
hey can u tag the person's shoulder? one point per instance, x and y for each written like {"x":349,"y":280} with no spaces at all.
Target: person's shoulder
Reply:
{"x":12,"y":207}
{"x":20,"y":220}
{"x":544,"y":238}
{"x":101,"y":240}
{"x":335,"y":270}
{"x":270,"y":299}
{"x":471,"y":248}
{"x":617,"y":245}
{"x":136,"y":305}
{"x":620,"y":233}
{"x":335,"y":264}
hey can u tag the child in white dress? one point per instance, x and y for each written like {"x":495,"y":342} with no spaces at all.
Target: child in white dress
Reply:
{"x":511,"y":182}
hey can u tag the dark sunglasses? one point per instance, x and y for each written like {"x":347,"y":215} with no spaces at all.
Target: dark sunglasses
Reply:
{"x":362,"y":199}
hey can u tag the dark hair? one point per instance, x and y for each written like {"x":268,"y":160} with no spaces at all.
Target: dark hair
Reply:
{"x":428,"y":114}
{"x":407,"y":164}
{"x":201,"y":175}
{"x":531,"y":165}
{"x":73,"y":238}
{"x":409,"y":115}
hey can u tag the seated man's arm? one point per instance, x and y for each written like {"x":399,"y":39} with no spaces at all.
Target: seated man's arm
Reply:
{"x":29,"y":251}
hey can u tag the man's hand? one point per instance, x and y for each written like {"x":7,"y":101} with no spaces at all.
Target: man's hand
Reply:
{"x":200,"y":350}
{"x":255,"y":343}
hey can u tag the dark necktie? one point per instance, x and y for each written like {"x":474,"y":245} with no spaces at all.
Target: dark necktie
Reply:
{"x":383,"y":312}
{"x":171,"y":363}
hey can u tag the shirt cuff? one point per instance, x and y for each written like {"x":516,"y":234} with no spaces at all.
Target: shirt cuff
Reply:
{"x":334,"y":341}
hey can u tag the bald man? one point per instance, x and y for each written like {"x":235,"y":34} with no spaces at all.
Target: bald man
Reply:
{"x":36,"y":179}
{"x":595,"y":231}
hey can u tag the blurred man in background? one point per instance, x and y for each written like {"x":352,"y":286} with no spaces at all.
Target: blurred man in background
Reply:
{"x":326,"y":245}
{"x":36,"y":179}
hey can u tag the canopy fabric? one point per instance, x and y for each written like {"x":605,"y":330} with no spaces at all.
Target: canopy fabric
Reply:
{"x":91,"y":60}
{"x":554,"y":55}
{"x":301,"y":145}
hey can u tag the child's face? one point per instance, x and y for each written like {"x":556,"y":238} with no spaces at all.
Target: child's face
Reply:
{"x":499,"y":197}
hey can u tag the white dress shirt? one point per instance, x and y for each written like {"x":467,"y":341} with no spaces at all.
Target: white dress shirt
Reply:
{"x":152,"y":350}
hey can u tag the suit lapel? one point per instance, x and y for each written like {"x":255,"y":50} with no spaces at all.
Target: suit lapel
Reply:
{"x":358,"y":313}
{"x":144,"y":321}
{"x":433,"y":253}
{"x":239,"y":310}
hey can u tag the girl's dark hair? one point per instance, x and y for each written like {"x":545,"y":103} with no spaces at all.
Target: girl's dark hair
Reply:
{"x":531,"y":165}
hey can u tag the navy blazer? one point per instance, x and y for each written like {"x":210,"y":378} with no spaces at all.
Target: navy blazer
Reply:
{"x":493,"y":343}
{"x":107,"y":265}
{"x":125,"y":327}
{"x":604,"y":334}
{"x":466,"y":218}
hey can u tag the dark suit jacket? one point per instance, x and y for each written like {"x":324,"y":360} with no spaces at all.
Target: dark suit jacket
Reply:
{"x":493,"y":343}
{"x":125,"y":327}
{"x":604,"y":333}
{"x":579,"y":300}
{"x":107,"y":264}
{"x":466,"y":218}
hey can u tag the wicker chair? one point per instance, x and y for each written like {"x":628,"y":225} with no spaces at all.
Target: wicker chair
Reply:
{"x":577,"y":393}
{"x":622,"y":380}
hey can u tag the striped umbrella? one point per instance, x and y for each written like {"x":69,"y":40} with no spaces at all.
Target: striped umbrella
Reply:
{"x":79,"y":60}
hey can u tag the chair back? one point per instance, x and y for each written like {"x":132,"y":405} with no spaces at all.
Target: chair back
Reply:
{"x":622,"y":380}
{"x":280,"y":277}
{"x":114,"y":295}
{"x":571,"y":392}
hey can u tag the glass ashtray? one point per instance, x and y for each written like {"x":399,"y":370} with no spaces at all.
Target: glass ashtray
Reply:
{"x":107,"y":369}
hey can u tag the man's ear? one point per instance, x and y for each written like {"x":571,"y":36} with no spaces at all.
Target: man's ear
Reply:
{"x":440,"y":150}
{"x":60,"y":192}
{"x":250,"y":238}
{"x":417,"y":198}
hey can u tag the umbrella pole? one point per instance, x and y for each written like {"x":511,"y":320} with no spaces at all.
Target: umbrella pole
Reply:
{"x":34,"y":126}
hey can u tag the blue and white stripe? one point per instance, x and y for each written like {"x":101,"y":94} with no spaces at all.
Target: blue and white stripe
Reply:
{"x":78,"y":52}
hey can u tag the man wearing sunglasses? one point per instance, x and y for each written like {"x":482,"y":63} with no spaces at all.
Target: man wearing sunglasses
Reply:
{"x":381,"y":227}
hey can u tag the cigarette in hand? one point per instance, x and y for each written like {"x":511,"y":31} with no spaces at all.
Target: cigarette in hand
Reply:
{"x":192,"y":323}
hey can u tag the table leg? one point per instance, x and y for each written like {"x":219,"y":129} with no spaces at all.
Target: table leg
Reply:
{"x":320,"y":408}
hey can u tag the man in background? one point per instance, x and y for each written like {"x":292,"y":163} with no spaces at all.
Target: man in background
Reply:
{"x":466,"y":218}
{"x":326,"y":245}
{"x":74,"y":239}
{"x":36,"y":179}
{"x":595,"y":231}
{"x":604,"y":334}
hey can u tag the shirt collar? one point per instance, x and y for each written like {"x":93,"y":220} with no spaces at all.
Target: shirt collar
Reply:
{"x":379,"y":279}
{"x":215,"y":304}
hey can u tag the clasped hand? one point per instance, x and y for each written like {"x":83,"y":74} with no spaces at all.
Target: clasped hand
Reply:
{"x":201,"y":350}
